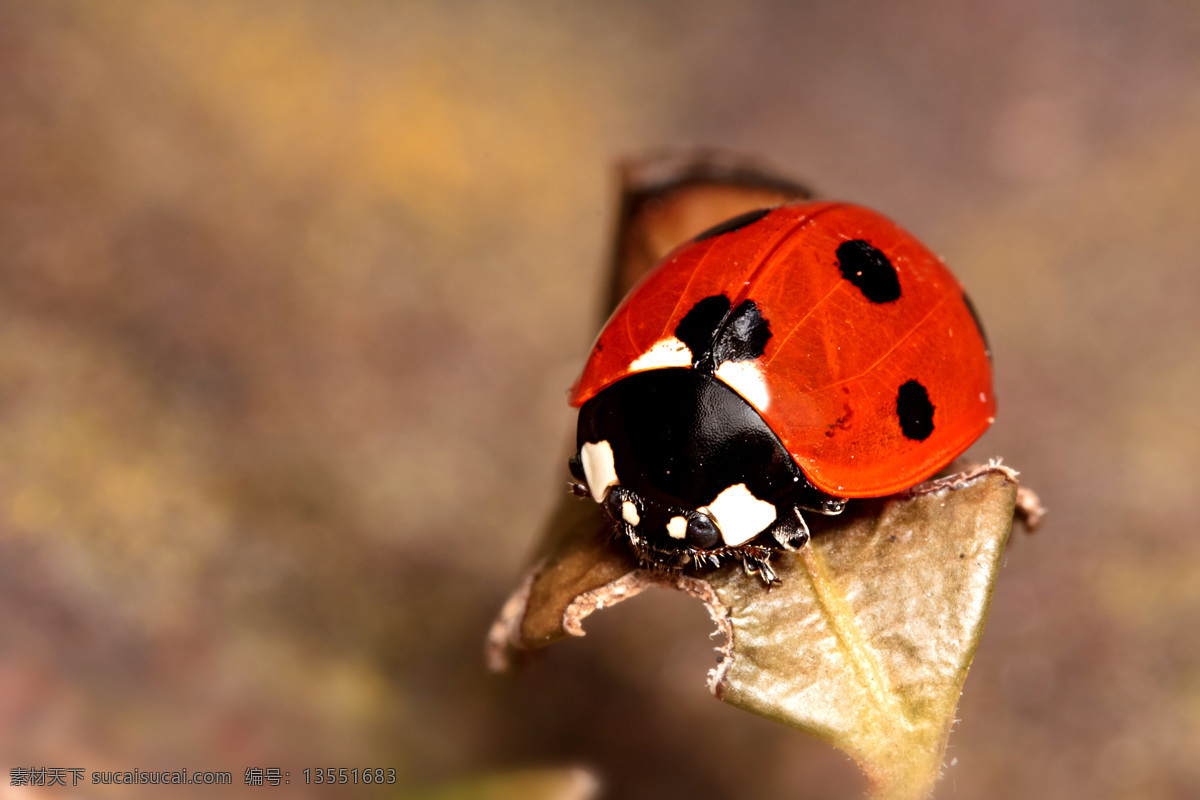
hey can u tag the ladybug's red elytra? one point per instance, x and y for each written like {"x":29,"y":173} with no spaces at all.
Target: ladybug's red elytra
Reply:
{"x":779,"y":363}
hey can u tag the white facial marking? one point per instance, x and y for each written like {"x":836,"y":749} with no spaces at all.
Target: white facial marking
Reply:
{"x":629,"y":513}
{"x":746,"y":378}
{"x":599,"y":467}
{"x":740,"y":515}
{"x":668,"y":352}
{"x":677,"y":528}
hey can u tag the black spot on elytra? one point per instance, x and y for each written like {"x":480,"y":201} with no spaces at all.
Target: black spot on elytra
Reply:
{"x":869,"y":270}
{"x":716,"y":335}
{"x":978,"y":325}
{"x":731,"y":225}
{"x":915,"y":411}
{"x":699,"y":326}
{"x":744,"y":336}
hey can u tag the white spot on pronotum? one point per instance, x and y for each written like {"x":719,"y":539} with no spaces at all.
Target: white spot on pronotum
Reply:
{"x":668,"y":352}
{"x":677,"y":527}
{"x":599,"y":467}
{"x":629,"y":513}
{"x":982,"y":397}
{"x":746,"y":378}
{"x":740,"y":515}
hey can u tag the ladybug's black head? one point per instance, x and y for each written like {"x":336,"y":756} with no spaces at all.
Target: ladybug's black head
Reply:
{"x":687,"y":469}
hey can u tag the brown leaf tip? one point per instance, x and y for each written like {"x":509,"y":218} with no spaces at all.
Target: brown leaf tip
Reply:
{"x":505,"y":634}
{"x":1029,"y":509}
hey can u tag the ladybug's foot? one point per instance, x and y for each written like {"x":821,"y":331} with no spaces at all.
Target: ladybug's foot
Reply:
{"x":792,"y":534}
{"x":760,"y":567}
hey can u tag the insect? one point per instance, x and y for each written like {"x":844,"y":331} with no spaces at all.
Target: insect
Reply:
{"x":778,"y":364}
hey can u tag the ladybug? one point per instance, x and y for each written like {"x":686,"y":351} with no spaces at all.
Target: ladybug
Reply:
{"x":780,"y":363}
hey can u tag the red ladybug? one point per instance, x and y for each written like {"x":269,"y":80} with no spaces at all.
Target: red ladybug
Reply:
{"x":781,"y":362}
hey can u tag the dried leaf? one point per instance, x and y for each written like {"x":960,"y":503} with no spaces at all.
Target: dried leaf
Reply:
{"x":867,"y":641}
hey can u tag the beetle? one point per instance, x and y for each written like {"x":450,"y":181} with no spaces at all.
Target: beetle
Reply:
{"x":778,"y":364}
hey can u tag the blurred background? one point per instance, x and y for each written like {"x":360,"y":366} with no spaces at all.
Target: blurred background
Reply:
{"x":291,"y":295}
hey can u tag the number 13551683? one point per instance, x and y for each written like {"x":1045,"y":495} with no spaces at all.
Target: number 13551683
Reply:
{"x":347,"y":775}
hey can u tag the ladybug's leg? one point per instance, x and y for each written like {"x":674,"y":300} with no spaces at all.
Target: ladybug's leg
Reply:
{"x":759,"y":566}
{"x":792,"y":531}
